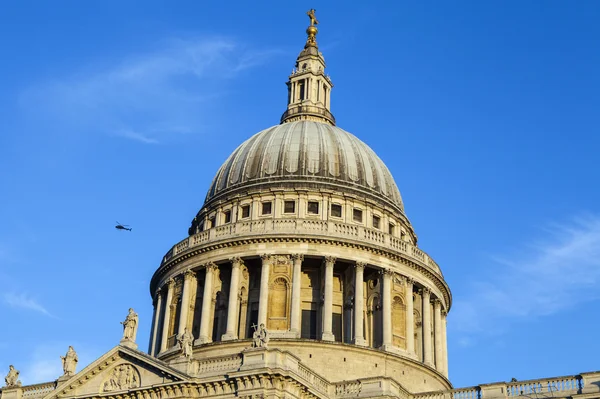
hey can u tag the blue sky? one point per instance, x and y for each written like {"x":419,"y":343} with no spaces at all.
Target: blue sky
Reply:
{"x":486,"y":114}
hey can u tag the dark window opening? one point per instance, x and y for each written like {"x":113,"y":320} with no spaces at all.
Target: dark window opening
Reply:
{"x":289,"y":207}
{"x":336,"y":210}
{"x":376,"y":221}
{"x":246,"y":211}
{"x":336,"y":326}
{"x":266,"y":208}
{"x":391,"y":228}
{"x":213,"y":222}
{"x":309,"y":324}
{"x":227,"y":216}
{"x":357,"y":215}
{"x":313,"y":207}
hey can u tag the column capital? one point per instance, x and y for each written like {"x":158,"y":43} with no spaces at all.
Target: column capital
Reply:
{"x":266,"y":258}
{"x":236,"y":262}
{"x":444,"y":313}
{"x":188,"y":274}
{"x":436,"y":302}
{"x":170,"y":282}
{"x":386,"y":273}
{"x":157,"y":293}
{"x":211,"y":267}
{"x":360,"y":266}
{"x":330,"y":260}
{"x":298,"y":257}
{"x":424,"y":291}
{"x":409,"y":280}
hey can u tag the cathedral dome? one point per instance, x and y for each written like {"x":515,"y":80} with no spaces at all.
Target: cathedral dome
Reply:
{"x":306,"y":154}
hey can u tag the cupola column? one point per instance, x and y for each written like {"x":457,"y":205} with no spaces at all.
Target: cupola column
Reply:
{"x":155,"y":326}
{"x":206,"y":302}
{"x":359,"y":304}
{"x":387,"y":308}
{"x":444,"y":344}
{"x":189,"y":280}
{"x":437,"y":320}
{"x":427,"y":354}
{"x":167,"y":317}
{"x":263,"y":302}
{"x":328,"y":300}
{"x":232,"y":308}
{"x":296,"y":294}
{"x":410,"y":317}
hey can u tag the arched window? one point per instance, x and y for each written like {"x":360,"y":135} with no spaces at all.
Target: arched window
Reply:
{"x":399,"y":322}
{"x":278,"y":305}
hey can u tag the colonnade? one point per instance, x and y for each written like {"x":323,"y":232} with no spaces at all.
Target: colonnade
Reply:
{"x":432,"y":340}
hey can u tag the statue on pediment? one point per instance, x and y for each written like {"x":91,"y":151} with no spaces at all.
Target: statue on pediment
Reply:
{"x":69,"y":362}
{"x":186,"y":342}
{"x":260,"y":338}
{"x":130,"y":326}
{"x":12,"y":378}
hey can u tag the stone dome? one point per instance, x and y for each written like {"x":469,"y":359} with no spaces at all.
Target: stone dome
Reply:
{"x":306,"y":153}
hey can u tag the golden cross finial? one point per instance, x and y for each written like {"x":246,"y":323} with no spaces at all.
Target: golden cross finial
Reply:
{"x":311,"y":15}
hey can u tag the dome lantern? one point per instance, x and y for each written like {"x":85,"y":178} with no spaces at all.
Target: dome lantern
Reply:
{"x":309,"y":87}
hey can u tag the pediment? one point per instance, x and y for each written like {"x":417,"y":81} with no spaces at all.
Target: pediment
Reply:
{"x":120,"y":369}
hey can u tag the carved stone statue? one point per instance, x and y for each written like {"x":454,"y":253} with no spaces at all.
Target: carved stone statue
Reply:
{"x":260,"y":338}
{"x":311,"y":15}
{"x":130,"y":326}
{"x":122,"y":377}
{"x":12,"y":378}
{"x":186,"y":342}
{"x":69,"y":362}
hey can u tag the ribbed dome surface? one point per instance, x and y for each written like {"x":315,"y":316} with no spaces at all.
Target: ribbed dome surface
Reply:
{"x":306,"y":152}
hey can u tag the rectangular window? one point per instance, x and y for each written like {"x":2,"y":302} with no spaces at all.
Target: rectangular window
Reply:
{"x":313,"y":207}
{"x":227,"y":216}
{"x":266,"y":208}
{"x":289,"y":206}
{"x":246,"y":211}
{"x":336,"y":210}
{"x":357,"y":215}
{"x":376,"y":221}
{"x":309,"y":324}
{"x":213,"y":222}
{"x":391,"y":229}
{"x":336,"y":326}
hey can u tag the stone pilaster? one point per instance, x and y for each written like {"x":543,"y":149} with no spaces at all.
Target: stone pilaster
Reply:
{"x":189,"y":281}
{"x":359,"y":304}
{"x":296,"y":316}
{"x":232,"y":308}
{"x":444,"y":343}
{"x":167,"y":316}
{"x":328,"y":300}
{"x":155,"y":320}
{"x":206,"y":302}
{"x":263,"y":302}
{"x":410,"y":318}
{"x":427,"y":347}
{"x":387,"y":308}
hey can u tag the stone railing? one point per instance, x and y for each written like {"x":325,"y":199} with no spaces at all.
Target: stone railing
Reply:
{"x":324,"y":228}
{"x":38,"y":390}
{"x":314,"y":379}
{"x":556,"y":387}
{"x":217,"y":364}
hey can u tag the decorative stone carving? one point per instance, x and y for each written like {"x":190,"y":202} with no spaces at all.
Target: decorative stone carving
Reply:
{"x":12,"y":378}
{"x":260,"y":338}
{"x":122,"y":377}
{"x":186,"y":341}
{"x":130,"y":326}
{"x":69,"y":362}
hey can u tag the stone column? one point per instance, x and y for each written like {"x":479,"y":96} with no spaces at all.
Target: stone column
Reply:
{"x":437,"y":323}
{"x":410,"y":318}
{"x":156,"y":319}
{"x":263,"y":301}
{"x":297,"y":294}
{"x":359,"y":304}
{"x":206,"y":302}
{"x":189,"y":280}
{"x":232,"y":308}
{"x":427,"y":353}
{"x":328,"y":300}
{"x":167,"y":316}
{"x":387,"y":308}
{"x":444,"y":344}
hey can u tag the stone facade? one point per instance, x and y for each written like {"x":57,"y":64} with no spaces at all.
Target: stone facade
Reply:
{"x":300,"y":278}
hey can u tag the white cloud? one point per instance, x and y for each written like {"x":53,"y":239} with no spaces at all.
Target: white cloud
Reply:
{"x":24,"y":301}
{"x":547,"y":277}
{"x":146,"y":97}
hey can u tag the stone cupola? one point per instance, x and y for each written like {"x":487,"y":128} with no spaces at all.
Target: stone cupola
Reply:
{"x":309,"y":87}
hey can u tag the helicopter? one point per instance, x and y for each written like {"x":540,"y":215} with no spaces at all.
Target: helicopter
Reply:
{"x":120,"y":226}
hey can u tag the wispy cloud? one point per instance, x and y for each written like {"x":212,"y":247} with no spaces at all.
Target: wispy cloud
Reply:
{"x":549,"y":276}
{"x":24,"y":301}
{"x":146,"y":97}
